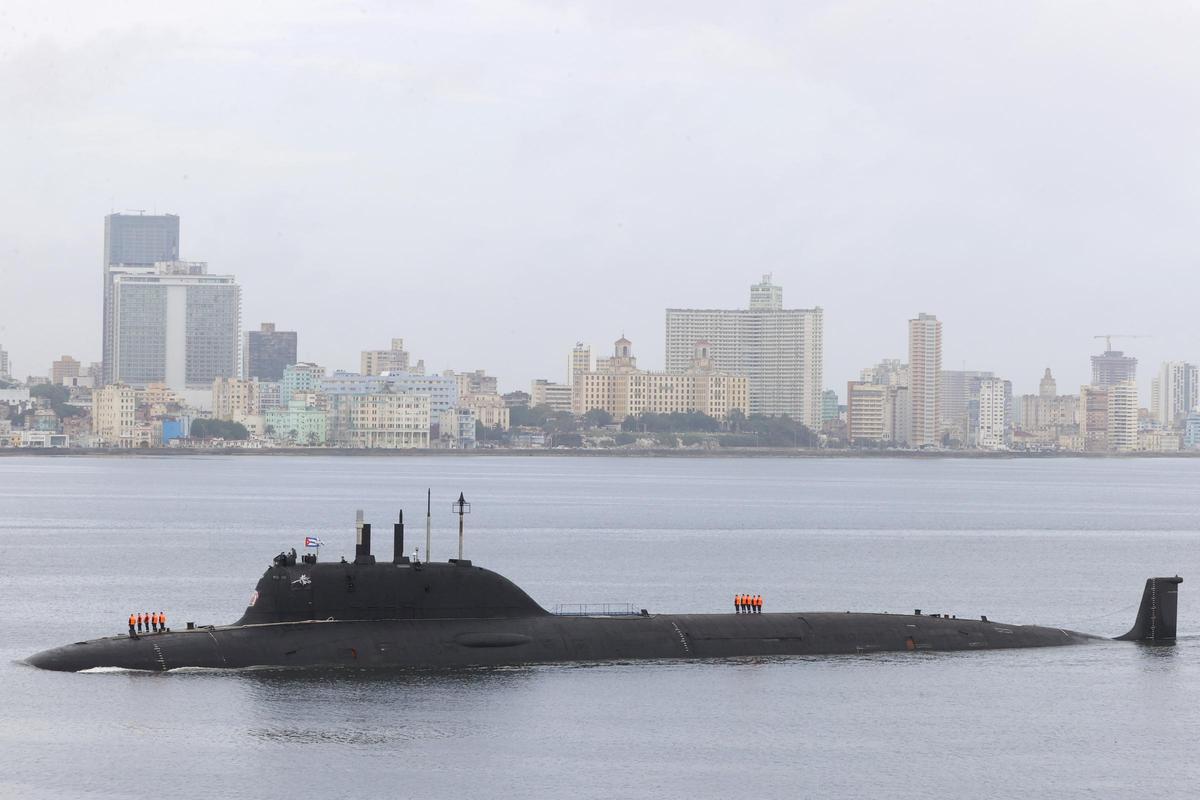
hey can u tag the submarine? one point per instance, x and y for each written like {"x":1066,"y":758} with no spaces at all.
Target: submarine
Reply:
{"x":411,"y":614}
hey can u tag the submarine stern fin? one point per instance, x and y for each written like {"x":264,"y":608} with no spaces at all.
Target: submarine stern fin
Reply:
{"x":1156,"y":616}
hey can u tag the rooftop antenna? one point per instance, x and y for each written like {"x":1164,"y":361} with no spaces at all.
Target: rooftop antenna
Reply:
{"x":428,"y":521}
{"x":462,"y":508}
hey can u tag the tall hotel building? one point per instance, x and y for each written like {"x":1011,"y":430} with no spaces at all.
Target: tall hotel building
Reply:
{"x":779,"y":350}
{"x":174,"y":323}
{"x":132,"y":241}
{"x":924,"y":372}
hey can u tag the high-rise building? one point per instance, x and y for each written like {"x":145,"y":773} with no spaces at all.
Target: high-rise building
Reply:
{"x":114,"y":415}
{"x":993,"y":426}
{"x":396,"y":359}
{"x":268,"y":351}
{"x":1123,"y":417}
{"x":1093,"y":418}
{"x":924,"y":373}
{"x":1173,"y":392}
{"x":132,"y":240}
{"x":1113,"y":367}
{"x":5,"y":369}
{"x":780,"y":351}
{"x":176,"y":324}
{"x":580,"y":363}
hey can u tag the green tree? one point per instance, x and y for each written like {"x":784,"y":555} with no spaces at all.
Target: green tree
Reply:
{"x":218,"y":429}
{"x":597,"y":418}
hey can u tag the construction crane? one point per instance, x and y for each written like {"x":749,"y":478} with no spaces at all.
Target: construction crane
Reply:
{"x":1108,"y":337}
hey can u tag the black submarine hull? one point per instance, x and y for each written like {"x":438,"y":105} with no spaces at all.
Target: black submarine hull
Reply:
{"x":404,"y":614}
{"x":546,"y":639}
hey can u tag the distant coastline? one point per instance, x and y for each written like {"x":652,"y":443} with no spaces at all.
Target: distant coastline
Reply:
{"x":730,"y":452}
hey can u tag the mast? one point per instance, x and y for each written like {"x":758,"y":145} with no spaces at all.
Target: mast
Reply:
{"x":428,"y":521}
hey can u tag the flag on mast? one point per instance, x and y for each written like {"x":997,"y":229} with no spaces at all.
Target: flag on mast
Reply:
{"x":312,"y":541}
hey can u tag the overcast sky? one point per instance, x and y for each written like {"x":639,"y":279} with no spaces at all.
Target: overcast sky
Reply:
{"x":496,"y":181}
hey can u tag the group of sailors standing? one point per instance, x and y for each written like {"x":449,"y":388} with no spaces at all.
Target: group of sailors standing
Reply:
{"x":747,"y":604}
{"x":151,"y":622}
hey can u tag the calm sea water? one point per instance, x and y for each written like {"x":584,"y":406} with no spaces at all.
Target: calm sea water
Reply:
{"x":84,"y":541}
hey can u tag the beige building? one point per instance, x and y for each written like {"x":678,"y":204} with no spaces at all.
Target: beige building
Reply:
{"x":396,"y":359}
{"x":555,"y":396}
{"x":1048,"y":416}
{"x":235,"y":398}
{"x":579,"y":363}
{"x":620,"y":388}
{"x":489,"y":409}
{"x":158,"y":394}
{"x":64,"y":370}
{"x":924,"y":374}
{"x":389,"y":420}
{"x":868,"y":412}
{"x":114,"y":416}
{"x":1159,"y":441}
{"x":476,"y":382}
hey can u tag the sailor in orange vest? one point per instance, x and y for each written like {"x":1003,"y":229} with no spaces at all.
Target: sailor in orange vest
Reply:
{"x":758,"y":604}
{"x":162,"y":621}
{"x":737,"y":604}
{"x":140,"y":618}
{"x":132,"y":622}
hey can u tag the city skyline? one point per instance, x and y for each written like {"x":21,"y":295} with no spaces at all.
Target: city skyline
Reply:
{"x":563,"y":177}
{"x":1124,"y":361}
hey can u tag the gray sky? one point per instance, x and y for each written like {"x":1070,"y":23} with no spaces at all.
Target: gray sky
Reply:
{"x":495,"y":181}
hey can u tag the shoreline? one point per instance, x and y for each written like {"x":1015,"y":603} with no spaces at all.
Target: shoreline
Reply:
{"x":760,"y":452}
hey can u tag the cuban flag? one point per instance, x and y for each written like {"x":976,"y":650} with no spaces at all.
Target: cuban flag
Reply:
{"x":312,"y":541}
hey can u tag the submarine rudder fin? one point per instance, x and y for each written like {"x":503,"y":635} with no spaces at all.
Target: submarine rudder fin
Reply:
{"x":1156,"y":616}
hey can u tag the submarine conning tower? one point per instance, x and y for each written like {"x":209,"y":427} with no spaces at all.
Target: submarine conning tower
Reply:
{"x":364,"y":589}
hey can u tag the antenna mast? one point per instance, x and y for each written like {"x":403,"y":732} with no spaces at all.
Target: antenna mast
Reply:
{"x":428,"y":521}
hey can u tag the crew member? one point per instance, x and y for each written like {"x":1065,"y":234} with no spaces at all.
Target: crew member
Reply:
{"x":150,"y":624}
{"x":737,"y":604}
{"x":162,"y":620}
{"x":132,"y":622}
{"x":416,"y":556}
{"x":758,"y":604}
{"x":141,"y":620}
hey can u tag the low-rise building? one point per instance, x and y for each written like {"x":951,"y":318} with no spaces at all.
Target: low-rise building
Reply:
{"x":456,"y":428}
{"x":617,"y":386}
{"x":441,"y":391}
{"x":489,"y":409}
{"x":554,"y":396}
{"x":383,"y":419}
{"x":1159,"y":441}
{"x":302,"y":377}
{"x":300,"y":422}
